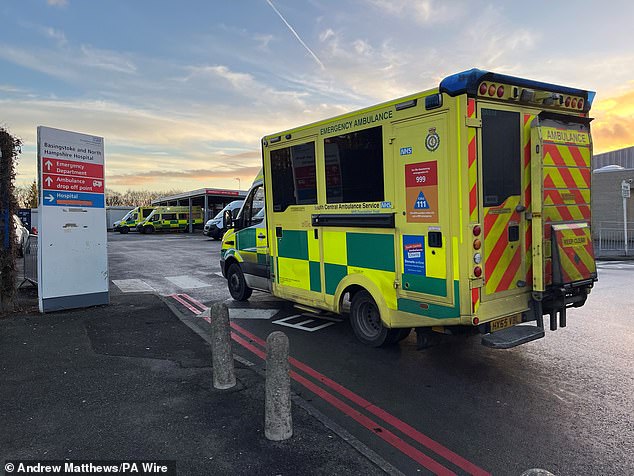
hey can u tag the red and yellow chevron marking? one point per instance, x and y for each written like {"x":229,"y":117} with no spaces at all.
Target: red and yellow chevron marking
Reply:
{"x":566,"y":155}
{"x":473,"y":168}
{"x":528,"y":237}
{"x":575,"y":252}
{"x":503,"y":262}
{"x":566,"y":197}
{"x":475,"y":300}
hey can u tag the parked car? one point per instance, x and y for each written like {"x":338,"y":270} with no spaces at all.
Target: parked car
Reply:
{"x":21,"y":234}
{"x":215,"y":228}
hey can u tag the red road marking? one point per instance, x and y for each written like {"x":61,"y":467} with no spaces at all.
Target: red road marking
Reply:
{"x":370,"y":407}
{"x":371,"y":425}
{"x":377,"y":429}
{"x":195,"y":302}
{"x":193,"y":309}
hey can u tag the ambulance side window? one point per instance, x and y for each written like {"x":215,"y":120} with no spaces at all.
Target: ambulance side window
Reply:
{"x":252,"y":205}
{"x":146,"y":213}
{"x":501,"y":156}
{"x":293,"y":176}
{"x":354,"y":166}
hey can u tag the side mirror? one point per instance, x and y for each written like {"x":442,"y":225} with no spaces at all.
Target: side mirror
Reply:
{"x":228,"y":219}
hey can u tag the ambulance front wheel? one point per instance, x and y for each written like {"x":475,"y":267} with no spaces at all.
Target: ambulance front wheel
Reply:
{"x":237,"y":284}
{"x":123,"y":230}
{"x":365,"y":318}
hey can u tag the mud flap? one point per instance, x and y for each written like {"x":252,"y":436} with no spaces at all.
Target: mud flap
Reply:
{"x":572,"y":254}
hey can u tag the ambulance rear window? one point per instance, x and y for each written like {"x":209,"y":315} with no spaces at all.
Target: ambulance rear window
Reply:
{"x":501,"y":156}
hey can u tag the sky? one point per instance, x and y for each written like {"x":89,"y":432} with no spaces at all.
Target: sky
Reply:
{"x":183,"y":91}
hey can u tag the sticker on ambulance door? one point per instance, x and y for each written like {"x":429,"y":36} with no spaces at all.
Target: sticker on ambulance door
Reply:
{"x":414,"y":254}
{"x":421,"y":192}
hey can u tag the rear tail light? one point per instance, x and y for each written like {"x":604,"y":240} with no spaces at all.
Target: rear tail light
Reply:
{"x":477,"y":271}
{"x":477,"y":244}
{"x":477,"y":230}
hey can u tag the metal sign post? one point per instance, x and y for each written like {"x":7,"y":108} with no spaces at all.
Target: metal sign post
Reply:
{"x":72,"y":251}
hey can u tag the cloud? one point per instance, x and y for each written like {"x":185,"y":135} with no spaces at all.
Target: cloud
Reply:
{"x":167,"y":177}
{"x":57,"y":35}
{"x":425,"y":12}
{"x":613,"y":127}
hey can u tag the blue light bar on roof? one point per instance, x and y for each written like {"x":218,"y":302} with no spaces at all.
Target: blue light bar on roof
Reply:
{"x":468,"y":82}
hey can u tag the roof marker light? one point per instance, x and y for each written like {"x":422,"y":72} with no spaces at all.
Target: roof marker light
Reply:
{"x":500,"y":91}
{"x":483,"y":88}
{"x":492,"y":90}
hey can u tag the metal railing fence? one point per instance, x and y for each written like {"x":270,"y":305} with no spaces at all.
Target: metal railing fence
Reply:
{"x":609,"y":239}
{"x":30,"y":260}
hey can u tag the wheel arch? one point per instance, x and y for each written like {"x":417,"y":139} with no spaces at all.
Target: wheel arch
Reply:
{"x":230,"y":257}
{"x":353,"y":284}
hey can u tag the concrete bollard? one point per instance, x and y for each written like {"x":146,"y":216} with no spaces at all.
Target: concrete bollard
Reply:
{"x":222,"y":355}
{"x":537,"y":472}
{"x":278,"y":422}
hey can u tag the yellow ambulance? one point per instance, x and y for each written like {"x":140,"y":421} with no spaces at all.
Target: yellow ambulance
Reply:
{"x":131,"y":219}
{"x":462,"y":209}
{"x":171,"y":219}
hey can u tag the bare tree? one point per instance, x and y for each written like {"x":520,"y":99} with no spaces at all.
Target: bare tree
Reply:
{"x":135,"y":198}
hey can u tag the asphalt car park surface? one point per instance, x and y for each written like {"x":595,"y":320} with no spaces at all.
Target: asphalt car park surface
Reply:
{"x":563,"y":403}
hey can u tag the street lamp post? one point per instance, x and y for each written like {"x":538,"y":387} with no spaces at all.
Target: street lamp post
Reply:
{"x":238,"y":179}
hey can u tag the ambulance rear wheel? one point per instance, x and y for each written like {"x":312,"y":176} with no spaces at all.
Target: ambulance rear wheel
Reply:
{"x":365,"y":318}
{"x":237,"y":284}
{"x":148,"y":229}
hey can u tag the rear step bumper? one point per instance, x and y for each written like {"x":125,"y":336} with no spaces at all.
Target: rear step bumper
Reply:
{"x":512,"y":337}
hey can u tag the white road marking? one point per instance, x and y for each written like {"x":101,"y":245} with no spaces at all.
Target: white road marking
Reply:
{"x":252,"y":313}
{"x":302,"y":326}
{"x":133,"y":286}
{"x":187,"y":282}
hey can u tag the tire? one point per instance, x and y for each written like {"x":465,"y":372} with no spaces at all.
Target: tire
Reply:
{"x":124,"y":230}
{"x":365,"y":318}
{"x":148,"y":229}
{"x":403,"y":334}
{"x":237,"y":284}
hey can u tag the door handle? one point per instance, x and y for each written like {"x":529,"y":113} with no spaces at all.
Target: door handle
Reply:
{"x":261,"y":236}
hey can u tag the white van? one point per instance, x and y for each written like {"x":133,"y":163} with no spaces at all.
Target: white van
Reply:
{"x":215,"y":227}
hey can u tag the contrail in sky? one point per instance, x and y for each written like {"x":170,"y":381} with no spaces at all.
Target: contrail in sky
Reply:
{"x":296,"y":35}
